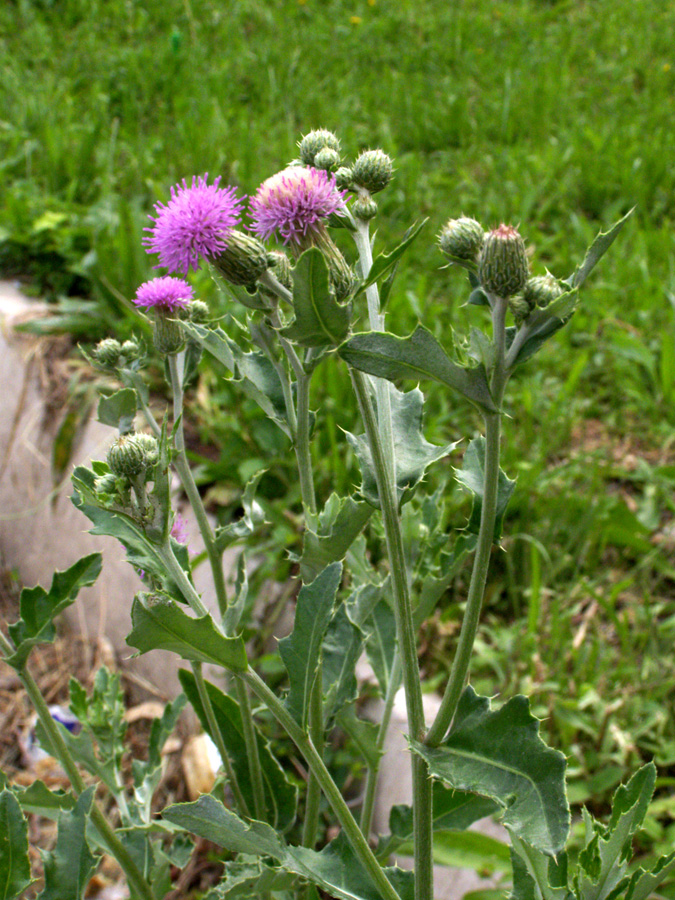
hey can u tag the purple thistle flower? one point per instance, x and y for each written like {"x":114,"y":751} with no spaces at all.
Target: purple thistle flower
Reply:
{"x":179,"y":530}
{"x":293,"y":202}
{"x":165,"y":293}
{"x":195,"y":222}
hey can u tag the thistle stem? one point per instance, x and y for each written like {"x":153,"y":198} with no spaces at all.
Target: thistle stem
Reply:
{"x":481,"y":562}
{"x":58,"y":748}
{"x":379,"y":433}
{"x":304,"y":744}
{"x":216,"y":563}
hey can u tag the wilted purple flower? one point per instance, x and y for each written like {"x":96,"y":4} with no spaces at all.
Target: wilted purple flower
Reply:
{"x":293,"y":202}
{"x":179,"y":530}
{"x":164,"y":293}
{"x":195,"y":222}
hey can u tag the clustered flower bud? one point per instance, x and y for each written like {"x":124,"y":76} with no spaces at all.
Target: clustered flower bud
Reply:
{"x":502,"y":267}
{"x":542,"y":290}
{"x":520,"y":309}
{"x":107,"y":352}
{"x":132,"y":454}
{"x":243,"y":260}
{"x":316,"y":141}
{"x":343,"y":178}
{"x":364,"y":208}
{"x":199,"y":311}
{"x":462,"y":238}
{"x":326,"y":159}
{"x":372,"y":171}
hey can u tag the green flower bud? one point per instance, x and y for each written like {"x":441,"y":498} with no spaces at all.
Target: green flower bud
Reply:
{"x":126,"y":457}
{"x":314,"y":142}
{"x":542,"y":290}
{"x":520,"y":309}
{"x":149,"y":448}
{"x":502,"y":266}
{"x":168,"y":335}
{"x":462,"y":239}
{"x":372,"y":170}
{"x":105,"y":484}
{"x":326,"y":159}
{"x":341,"y":276}
{"x":244,"y":259}
{"x":199,"y":311}
{"x":364,"y":208}
{"x":107,"y":352}
{"x":130,"y":349}
{"x":343,"y":178}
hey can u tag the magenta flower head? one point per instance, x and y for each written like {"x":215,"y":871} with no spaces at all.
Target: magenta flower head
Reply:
{"x":167,"y":294}
{"x":293,"y":203}
{"x":195,"y":222}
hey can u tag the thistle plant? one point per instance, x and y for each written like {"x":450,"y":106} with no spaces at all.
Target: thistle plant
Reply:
{"x":306,"y":301}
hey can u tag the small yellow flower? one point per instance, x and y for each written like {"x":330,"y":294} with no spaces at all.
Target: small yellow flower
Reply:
{"x":355,"y":20}
{"x":372,"y":2}
{"x":666,"y":67}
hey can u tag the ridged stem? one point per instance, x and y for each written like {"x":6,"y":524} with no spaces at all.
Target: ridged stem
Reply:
{"x":304,"y":744}
{"x":481,"y":563}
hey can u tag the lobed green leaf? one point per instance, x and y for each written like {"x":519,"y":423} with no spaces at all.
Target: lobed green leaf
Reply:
{"x":118,"y":410}
{"x":320,"y":320}
{"x":472,"y":477}
{"x":14,"y":862}
{"x":499,"y":754}
{"x":163,"y":625}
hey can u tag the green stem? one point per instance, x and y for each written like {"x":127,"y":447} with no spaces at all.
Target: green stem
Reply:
{"x":368,"y":805}
{"x":302,"y":451}
{"x":59,"y":749}
{"x":328,"y":786}
{"x":251,"y":741}
{"x":190,"y":488}
{"x":218,"y":737}
{"x":381,"y":440}
{"x":216,"y":563}
{"x":481,"y":563}
{"x":316,"y":733}
{"x":422,"y":798}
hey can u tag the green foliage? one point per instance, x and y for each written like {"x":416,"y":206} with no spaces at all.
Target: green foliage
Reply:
{"x":413,"y":454}
{"x":70,"y":865}
{"x":280,"y":794}
{"x":499,"y":754}
{"x":118,"y":410}
{"x":339,"y":523}
{"x":39,"y":607}
{"x":14,"y":862}
{"x":335,"y":869}
{"x":418,"y":356}
{"x":160,"y":624}
{"x":472,"y":477}
{"x":320,"y":320}
{"x":301,"y":650}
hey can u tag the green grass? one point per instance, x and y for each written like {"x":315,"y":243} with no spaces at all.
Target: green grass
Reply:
{"x":554,"y":115}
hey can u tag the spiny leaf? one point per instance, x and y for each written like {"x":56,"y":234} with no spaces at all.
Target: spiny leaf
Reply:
{"x":413,"y":454}
{"x":499,"y":754}
{"x":39,"y":607}
{"x":596,"y":251}
{"x":603,"y":863}
{"x":536,"y":874}
{"x":472,"y":477}
{"x":452,"y":811}
{"x":335,"y":869}
{"x":419,"y":357}
{"x":70,"y":865}
{"x":280,"y":794}
{"x":301,"y":650}
{"x":248,"y":878}
{"x":320,"y":321}
{"x":14,"y":862}
{"x":342,"y":646}
{"x":386,"y":262}
{"x":162,"y":625}
{"x":340,"y":522}
{"x":38,"y":798}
